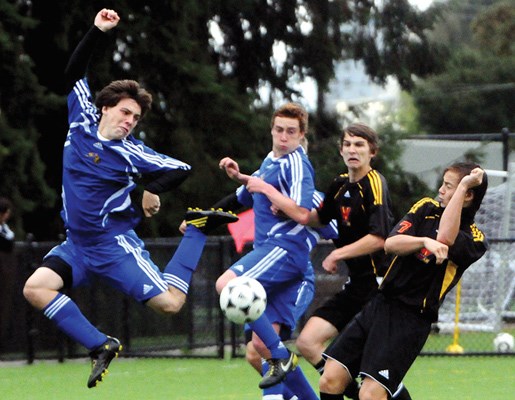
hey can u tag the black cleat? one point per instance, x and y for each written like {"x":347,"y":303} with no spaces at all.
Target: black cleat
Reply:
{"x":278,"y":368}
{"x":208,"y":220}
{"x":101,"y":357}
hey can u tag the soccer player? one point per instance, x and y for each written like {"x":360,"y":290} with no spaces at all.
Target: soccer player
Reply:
{"x":281,"y":251}
{"x":305,"y":295}
{"x":431,"y":247}
{"x":101,"y":160}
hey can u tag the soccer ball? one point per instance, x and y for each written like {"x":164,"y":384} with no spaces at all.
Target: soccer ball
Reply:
{"x":243,"y":300}
{"x":503,"y":342}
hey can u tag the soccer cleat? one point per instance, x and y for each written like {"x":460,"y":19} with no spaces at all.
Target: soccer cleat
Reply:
{"x":278,"y":368}
{"x":101,"y":357}
{"x":208,"y":220}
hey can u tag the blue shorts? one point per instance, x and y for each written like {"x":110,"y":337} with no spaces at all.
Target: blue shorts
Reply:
{"x":123,"y":263}
{"x":305,"y":295}
{"x":281,"y":274}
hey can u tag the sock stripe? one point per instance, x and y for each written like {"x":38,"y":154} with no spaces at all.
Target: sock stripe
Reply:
{"x":175,"y":281}
{"x":55,"y":305}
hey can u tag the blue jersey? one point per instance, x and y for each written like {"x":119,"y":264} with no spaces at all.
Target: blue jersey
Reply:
{"x":293,"y":176}
{"x":98,"y":174}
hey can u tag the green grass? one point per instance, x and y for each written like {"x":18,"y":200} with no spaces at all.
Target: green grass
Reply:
{"x":431,"y":378}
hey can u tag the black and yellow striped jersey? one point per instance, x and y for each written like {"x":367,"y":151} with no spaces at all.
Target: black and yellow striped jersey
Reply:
{"x":360,"y":208}
{"x":416,"y":279}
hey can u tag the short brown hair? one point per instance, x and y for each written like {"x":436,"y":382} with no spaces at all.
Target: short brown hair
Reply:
{"x":111,"y":95}
{"x":363,"y":131}
{"x":295,"y":111}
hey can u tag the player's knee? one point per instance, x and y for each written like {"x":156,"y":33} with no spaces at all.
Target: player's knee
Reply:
{"x":328,"y":384}
{"x":308,"y":346}
{"x":170,"y":302}
{"x":371,"y":390}
{"x":30,"y":292}
{"x":35,"y":295}
{"x":223,"y":280}
{"x":220,"y":284}
{"x":303,"y":343}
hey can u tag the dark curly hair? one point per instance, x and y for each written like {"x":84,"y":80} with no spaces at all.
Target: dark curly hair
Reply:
{"x":111,"y":95}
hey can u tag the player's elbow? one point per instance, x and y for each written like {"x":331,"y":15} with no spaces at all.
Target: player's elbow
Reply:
{"x":445,"y":239}
{"x":303,"y":218}
{"x":378,"y":243}
{"x":390,"y":246}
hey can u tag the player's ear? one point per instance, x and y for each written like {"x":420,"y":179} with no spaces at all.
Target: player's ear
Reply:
{"x":469,"y":196}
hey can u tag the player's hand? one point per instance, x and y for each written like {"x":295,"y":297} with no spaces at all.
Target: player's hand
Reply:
{"x":106,"y":19}
{"x":473,"y":179}
{"x":150,"y":204}
{"x":231,"y":167}
{"x":438,"y":249}
{"x":330,"y":263}
{"x":182,"y":227}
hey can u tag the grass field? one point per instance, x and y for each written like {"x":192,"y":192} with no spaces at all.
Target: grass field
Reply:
{"x":431,"y":378}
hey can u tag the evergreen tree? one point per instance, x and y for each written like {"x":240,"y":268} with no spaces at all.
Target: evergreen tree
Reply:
{"x":22,"y":102}
{"x":476,"y":92}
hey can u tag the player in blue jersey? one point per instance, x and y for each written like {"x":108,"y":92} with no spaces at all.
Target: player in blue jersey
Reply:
{"x":101,"y":160}
{"x":281,"y":250}
{"x":305,"y":294}
{"x":430,"y":248}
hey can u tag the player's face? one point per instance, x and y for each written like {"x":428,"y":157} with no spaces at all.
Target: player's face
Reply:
{"x":356,"y":153}
{"x":118,"y":122}
{"x":286,"y":135}
{"x":450,"y":183}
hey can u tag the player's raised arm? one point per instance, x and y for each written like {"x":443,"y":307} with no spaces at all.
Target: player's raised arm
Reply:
{"x":79,"y":60}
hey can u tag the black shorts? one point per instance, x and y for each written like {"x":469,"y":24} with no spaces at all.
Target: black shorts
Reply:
{"x":381,"y":342}
{"x":344,"y":305}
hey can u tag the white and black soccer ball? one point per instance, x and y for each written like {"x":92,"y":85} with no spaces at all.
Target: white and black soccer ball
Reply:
{"x":504,"y":342}
{"x":243,"y":300}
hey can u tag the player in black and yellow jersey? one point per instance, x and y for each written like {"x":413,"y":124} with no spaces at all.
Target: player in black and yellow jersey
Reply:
{"x":360,"y":203}
{"x":431,"y":247}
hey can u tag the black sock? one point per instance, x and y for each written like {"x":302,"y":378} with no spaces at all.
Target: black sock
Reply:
{"x":320,"y":366}
{"x":352,"y":390}
{"x":327,"y":396}
{"x":402,"y":394}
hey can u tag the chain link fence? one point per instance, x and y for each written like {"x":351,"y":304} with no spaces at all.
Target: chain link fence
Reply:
{"x":199,"y":330}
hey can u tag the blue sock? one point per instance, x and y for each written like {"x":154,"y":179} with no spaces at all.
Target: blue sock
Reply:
{"x":297,"y":381}
{"x":287,"y":392}
{"x":180,"y":268}
{"x":273,"y":392}
{"x":68,"y":318}
{"x":264,"y":329}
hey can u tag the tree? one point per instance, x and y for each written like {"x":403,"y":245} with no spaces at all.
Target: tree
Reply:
{"x":21,"y":102}
{"x":476,"y":91}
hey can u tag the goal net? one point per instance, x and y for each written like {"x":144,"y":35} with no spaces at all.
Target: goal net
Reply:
{"x":488,"y":286}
